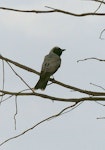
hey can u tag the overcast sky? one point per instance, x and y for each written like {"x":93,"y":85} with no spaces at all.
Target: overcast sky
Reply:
{"x":27,"y":38}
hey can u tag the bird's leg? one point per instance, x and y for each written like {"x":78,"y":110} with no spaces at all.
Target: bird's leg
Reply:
{"x":49,"y":83}
{"x":52,"y":77}
{"x":52,"y":80}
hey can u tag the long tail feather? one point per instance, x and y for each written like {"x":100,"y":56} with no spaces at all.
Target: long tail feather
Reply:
{"x":43,"y":80}
{"x":41,"y":84}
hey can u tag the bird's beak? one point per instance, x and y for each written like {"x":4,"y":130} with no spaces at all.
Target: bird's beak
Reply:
{"x":63,"y":50}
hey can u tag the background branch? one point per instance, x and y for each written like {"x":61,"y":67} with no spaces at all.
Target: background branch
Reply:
{"x":53,"y":10}
{"x":100,"y":37}
{"x":34,"y":126}
{"x":3,"y":74}
{"x":100,"y":1}
{"x":98,"y":86}
{"x":16,"y":111}
{"x":91,"y":58}
{"x":19,"y":65}
{"x":26,"y":11}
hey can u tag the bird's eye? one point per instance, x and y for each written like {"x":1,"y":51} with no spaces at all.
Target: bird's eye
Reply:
{"x":59,"y":49}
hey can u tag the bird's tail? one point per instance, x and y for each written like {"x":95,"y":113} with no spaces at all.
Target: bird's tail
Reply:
{"x":42,"y":83}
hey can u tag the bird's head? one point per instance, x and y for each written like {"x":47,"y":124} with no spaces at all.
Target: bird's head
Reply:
{"x":58,"y":51}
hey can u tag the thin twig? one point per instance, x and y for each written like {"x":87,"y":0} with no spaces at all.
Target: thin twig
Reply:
{"x":99,"y":1}
{"x":16,"y":111}
{"x":101,"y":118}
{"x":26,"y":11}
{"x":5,"y":99}
{"x":73,"y":107}
{"x":99,"y":6}
{"x":91,"y":58}
{"x":20,"y":77}
{"x":2,"y":80}
{"x":34,"y":126}
{"x":98,"y":86}
{"x":100,"y":103}
{"x":20,"y":65}
{"x":100,"y":37}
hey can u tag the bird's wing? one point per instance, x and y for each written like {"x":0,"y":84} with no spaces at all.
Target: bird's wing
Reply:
{"x":51,"y":64}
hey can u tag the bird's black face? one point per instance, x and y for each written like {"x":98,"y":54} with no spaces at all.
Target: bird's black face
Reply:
{"x":58,"y":51}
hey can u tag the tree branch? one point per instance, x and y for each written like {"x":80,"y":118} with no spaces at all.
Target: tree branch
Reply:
{"x":53,"y":10}
{"x":19,"y":65}
{"x":3,"y":74}
{"x":34,"y":126}
{"x":52,"y":80}
{"x":100,"y":37}
{"x":26,"y":11}
{"x":100,"y":1}
{"x":89,"y":98}
{"x":16,"y":111}
{"x":98,"y":86}
{"x":90,"y":59}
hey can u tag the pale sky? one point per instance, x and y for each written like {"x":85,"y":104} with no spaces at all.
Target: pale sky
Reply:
{"x":27,"y":38}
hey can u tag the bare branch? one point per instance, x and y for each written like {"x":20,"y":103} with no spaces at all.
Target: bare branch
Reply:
{"x":16,"y":111}
{"x":99,"y":6}
{"x":100,"y":1}
{"x":101,"y":118}
{"x":53,"y":10}
{"x":19,"y":65}
{"x":74,"y":14}
{"x":60,"y":99}
{"x":98,"y":86}
{"x":34,"y":126}
{"x":20,"y":77}
{"x":91,"y":58}
{"x":3,"y":80}
{"x":100,"y":37}
{"x":100,"y":103}
{"x":5,"y":99}
{"x":79,"y":103}
{"x":76,"y":89}
{"x":26,"y":11}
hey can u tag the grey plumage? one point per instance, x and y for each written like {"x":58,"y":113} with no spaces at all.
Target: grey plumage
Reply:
{"x":50,"y":65}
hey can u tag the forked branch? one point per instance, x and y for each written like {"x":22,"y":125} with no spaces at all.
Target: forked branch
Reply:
{"x":39,"y":123}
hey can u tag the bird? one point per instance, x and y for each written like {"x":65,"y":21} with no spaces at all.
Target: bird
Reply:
{"x":50,"y":65}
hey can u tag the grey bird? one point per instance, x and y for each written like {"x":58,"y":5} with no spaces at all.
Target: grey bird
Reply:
{"x":50,"y":65}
